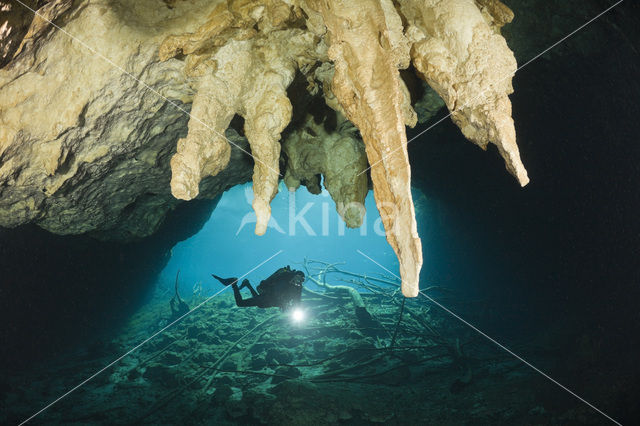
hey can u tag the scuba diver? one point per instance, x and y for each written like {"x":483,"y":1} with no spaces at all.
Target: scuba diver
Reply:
{"x":283,"y":289}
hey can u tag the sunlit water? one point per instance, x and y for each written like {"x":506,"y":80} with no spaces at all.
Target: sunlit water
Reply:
{"x":302,"y":225}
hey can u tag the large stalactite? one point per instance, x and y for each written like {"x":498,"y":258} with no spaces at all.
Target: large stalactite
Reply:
{"x":367,"y":46}
{"x":95,"y":135}
{"x":459,"y":51}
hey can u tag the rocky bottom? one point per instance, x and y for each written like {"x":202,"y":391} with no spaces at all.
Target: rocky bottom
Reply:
{"x":226,"y":365}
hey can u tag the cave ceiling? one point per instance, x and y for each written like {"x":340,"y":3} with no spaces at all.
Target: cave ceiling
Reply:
{"x":113,"y":113}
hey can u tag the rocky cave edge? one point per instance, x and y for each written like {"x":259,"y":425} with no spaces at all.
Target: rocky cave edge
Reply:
{"x":113,"y":112}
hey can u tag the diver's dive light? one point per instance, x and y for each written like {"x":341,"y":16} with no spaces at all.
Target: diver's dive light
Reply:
{"x":298,"y":315}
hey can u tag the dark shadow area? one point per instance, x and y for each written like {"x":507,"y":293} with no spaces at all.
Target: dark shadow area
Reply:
{"x":60,"y":291}
{"x":559,"y":256}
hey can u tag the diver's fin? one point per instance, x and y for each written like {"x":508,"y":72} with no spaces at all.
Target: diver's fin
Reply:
{"x":225,"y":281}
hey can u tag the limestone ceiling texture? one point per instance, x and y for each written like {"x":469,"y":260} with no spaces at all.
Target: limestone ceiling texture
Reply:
{"x":95,"y":131}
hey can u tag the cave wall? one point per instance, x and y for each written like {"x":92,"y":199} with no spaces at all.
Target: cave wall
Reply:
{"x":58,"y":291}
{"x":89,"y":124}
{"x":561,"y":253}
{"x":558,"y":258}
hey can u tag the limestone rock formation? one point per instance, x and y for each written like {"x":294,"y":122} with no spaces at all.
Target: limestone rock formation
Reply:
{"x":112,"y":111}
{"x":367,"y":46}
{"x":248,"y":76}
{"x":87,"y":125}
{"x":457,"y":49}
{"x":338,"y":157}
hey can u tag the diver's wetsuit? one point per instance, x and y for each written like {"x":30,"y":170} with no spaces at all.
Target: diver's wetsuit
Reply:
{"x":282,"y":289}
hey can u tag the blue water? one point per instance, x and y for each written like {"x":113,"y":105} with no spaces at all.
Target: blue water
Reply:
{"x":302,"y":225}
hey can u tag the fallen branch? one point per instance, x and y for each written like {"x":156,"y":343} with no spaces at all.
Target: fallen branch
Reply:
{"x":362,"y":314}
{"x":381,"y":373}
{"x":178,"y":306}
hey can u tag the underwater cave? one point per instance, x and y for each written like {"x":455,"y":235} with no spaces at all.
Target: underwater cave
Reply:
{"x":319,"y":212}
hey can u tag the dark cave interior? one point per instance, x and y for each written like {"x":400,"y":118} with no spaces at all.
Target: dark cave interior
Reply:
{"x":563,"y":250}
